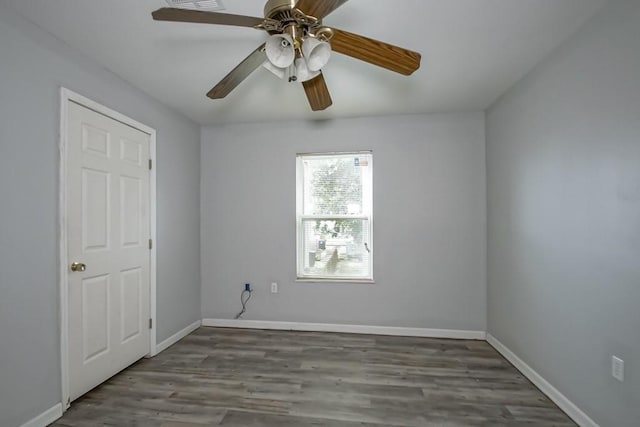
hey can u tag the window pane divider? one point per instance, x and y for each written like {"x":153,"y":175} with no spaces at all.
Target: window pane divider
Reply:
{"x":331,"y":217}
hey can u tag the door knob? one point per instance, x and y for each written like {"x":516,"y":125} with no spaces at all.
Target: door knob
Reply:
{"x":78,"y":266}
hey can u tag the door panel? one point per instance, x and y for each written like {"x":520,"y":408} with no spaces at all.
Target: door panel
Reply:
{"x":108,"y":226}
{"x":131,"y":152}
{"x":130,"y":289}
{"x":95,"y":141}
{"x":130,"y":215}
{"x":95,"y":316}
{"x":95,"y":207}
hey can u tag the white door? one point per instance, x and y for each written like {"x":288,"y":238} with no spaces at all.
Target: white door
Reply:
{"x":108,"y":230}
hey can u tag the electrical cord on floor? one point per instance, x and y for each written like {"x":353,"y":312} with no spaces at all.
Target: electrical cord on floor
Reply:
{"x":244,"y":302}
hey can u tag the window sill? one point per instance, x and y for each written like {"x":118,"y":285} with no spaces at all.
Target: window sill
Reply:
{"x":327,"y":280}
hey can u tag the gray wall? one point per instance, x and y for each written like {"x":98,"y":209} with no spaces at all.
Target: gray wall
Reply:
{"x":429,"y":221}
{"x":32,"y":68}
{"x":563,"y":150}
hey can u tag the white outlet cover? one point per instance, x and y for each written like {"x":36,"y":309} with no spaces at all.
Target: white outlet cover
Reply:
{"x":617,"y":368}
{"x":274,"y":288}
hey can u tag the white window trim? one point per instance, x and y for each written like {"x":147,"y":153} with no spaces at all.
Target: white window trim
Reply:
{"x":300,"y":218}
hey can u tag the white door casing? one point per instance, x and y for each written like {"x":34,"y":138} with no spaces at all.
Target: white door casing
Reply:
{"x":108,"y":227}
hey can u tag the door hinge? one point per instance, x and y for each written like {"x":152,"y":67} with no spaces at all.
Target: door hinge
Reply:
{"x":150,"y":244}
{"x":150,"y":164}
{"x":150,"y":323}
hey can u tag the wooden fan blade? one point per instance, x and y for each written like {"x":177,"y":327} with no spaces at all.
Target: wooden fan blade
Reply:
{"x":317,"y":93}
{"x":375,"y":52}
{"x":238,"y":74}
{"x":202,"y":17}
{"x":319,"y":8}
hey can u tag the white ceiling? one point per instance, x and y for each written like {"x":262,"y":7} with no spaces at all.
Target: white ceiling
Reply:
{"x":472,"y":52}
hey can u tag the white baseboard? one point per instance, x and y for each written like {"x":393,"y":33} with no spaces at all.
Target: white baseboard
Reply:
{"x":45,"y":418}
{"x":349,"y":329}
{"x":176,"y":337}
{"x":552,"y":393}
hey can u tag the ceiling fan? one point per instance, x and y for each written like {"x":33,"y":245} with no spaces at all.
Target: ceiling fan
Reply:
{"x":299,"y":45}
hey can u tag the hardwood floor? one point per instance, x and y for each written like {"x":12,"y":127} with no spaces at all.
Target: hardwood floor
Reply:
{"x":233,"y":377}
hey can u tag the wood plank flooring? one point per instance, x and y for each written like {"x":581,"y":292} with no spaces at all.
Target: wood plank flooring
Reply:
{"x":250,"y":378}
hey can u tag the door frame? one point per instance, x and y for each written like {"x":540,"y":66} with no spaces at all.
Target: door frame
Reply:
{"x":67,"y":96}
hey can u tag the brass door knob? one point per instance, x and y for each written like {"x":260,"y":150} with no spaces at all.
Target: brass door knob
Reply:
{"x":78,"y":266}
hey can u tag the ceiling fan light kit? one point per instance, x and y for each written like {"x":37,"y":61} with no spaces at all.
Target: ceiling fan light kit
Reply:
{"x":301,"y":64}
{"x":303,"y":72}
{"x":316,"y":52}
{"x":278,"y":72}
{"x":280,"y":50}
{"x":299,"y":46}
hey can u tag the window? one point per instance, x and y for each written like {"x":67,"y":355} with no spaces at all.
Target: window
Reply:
{"x":334,"y":216}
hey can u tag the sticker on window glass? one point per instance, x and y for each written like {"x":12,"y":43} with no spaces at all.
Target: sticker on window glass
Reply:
{"x":356,"y":162}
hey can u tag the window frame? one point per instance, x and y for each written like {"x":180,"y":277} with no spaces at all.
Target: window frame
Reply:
{"x":367,"y":217}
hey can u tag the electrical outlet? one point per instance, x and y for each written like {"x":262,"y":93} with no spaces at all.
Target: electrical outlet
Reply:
{"x":617,"y":368}
{"x":274,"y":288}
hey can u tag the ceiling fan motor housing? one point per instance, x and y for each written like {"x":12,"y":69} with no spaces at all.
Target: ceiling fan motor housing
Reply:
{"x":274,"y":7}
{"x":284,"y":14}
